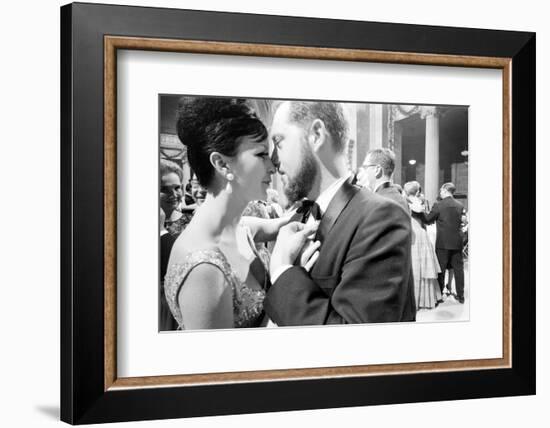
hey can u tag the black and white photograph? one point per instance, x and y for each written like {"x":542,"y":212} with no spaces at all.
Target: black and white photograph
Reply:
{"x":299,"y":212}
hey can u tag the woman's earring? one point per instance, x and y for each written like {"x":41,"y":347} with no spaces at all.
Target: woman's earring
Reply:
{"x":229,"y":187}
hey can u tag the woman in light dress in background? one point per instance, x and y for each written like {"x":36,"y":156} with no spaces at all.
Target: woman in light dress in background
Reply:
{"x":424,"y":259}
{"x":171,"y":196}
{"x":215,"y":278}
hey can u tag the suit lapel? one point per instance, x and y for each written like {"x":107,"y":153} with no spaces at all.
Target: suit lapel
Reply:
{"x":335,"y":208}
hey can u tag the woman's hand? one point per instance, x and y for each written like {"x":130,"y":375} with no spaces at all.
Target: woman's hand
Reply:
{"x":265,"y":230}
{"x":288,"y":216}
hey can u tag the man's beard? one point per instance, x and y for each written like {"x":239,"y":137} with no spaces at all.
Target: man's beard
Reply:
{"x":299,"y":186}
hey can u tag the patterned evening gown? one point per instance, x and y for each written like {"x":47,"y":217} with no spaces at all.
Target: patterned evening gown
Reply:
{"x":247,"y":302}
{"x":425,"y":267}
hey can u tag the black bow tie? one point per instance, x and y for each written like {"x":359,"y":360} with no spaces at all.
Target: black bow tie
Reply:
{"x":309,"y":208}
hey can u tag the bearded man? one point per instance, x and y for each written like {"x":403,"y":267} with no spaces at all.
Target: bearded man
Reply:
{"x":361,"y":272}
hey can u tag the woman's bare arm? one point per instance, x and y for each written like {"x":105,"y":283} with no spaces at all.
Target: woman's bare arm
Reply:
{"x":263,"y":229}
{"x":206,"y":299}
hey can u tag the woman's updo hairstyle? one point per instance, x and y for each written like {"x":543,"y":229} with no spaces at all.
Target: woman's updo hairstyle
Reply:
{"x":206,"y":125}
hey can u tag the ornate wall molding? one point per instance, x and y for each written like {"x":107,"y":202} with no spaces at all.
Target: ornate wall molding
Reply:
{"x":430,"y":111}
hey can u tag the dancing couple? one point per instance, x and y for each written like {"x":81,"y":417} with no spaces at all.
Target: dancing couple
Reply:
{"x":347,"y":261}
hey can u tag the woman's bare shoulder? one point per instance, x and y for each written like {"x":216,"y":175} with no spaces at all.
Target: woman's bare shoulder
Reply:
{"x":206,"y":273}
{"x":190,"y":242}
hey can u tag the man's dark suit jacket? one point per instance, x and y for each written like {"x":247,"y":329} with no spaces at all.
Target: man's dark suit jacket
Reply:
{"x":362,"y":274}
{"x":390,"y":191}
{"x":448,"y":216}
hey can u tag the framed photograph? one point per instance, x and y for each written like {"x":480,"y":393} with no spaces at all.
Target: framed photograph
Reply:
{"x":266,"y":213}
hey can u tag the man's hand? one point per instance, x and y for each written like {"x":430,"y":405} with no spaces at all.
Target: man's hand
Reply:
{"x":289,"y":245}
{"x":310,"y":254}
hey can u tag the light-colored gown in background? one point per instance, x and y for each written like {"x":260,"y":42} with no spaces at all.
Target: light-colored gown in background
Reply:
{"x":425,"y":264}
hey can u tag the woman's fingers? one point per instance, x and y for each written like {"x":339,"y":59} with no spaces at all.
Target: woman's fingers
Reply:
{"x":309,"y":231}
{"x":289,"y":214}
{"x":293,"y":227}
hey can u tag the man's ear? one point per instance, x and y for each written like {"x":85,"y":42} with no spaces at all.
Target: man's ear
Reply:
{"x":219,"y":162}
{"x":317,"y":134}
{"x":379,"y":172}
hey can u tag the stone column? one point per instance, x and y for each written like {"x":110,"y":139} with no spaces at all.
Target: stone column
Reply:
{"x":376,"y":126}
{"x":351,"y":149}
{"x":397,"y":149}
{"x":363,"y":126}
{"x":431,"y":179}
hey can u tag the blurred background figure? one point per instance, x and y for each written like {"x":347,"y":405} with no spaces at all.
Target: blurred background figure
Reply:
{"x":376,"y":173}
{"x":424,"y":259}
{"x":259,"y":209}
{"x":188,"y":196}
{"x":449,"y":215}
{"x":171,"y":195}
{"x":199,"y":195}
{"x":400,"y":190}
{"x":450,"y":287}
{"x":166,"y":320}
{"x":273,"y":206}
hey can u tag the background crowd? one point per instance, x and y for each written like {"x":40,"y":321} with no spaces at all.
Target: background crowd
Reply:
{"x":439,"y":230}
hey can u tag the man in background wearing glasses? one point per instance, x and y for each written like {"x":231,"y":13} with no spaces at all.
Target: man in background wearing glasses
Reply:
{"x":376,"y":172}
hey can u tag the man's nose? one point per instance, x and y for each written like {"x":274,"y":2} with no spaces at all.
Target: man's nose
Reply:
{"x":271,"y":168}
{"x":274,"y":158}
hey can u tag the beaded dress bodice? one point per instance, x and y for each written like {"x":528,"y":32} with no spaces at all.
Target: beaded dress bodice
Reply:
{"x":247,"y":302}
{"x":175,"y":227}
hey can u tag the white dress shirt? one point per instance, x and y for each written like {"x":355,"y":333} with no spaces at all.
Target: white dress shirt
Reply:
{"x":323,"y":202}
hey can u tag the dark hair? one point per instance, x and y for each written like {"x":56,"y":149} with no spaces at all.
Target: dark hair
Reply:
{"x":332,"y":115}
{"x":449,"y":187}
{"x":383,"y":157}
{"x":206,"y":125}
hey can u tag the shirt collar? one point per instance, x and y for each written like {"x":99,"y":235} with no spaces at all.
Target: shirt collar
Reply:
{"x":324,"y":198}
{"x":380,"y":185}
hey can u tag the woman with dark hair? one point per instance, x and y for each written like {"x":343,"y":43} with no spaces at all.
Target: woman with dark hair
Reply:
{"x":424,"y":260}
{"x":215,"y":278}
